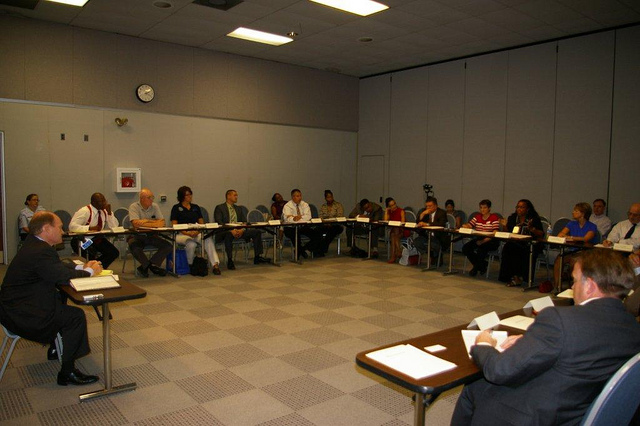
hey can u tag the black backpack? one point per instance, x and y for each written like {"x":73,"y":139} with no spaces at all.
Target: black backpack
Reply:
{"x":199,"y":267}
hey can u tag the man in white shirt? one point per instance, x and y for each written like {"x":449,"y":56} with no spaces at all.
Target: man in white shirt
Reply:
{"x":626,"y":231}
{"x":146,"y":214}
{"x":298,"y":211}
{"x":603,"y":223}
{"x":96,"y":216}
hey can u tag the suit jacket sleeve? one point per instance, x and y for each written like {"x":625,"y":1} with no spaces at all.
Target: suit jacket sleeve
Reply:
{"x":534,"y":353}
{"x":219,"y":214}
{"x":440,"y":218}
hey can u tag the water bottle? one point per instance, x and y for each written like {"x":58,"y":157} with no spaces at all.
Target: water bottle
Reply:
{"x":549,"y":231}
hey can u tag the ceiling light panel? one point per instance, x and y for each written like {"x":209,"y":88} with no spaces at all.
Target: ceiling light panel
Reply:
{"x":359,"y":7}
{"x":259,"y":36}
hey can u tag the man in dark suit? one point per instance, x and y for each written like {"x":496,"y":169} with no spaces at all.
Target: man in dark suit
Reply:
{"x":228,"y":212}
{"x":552,"y":373}
{"x":30,"y":305}
{"x":432,"y":215}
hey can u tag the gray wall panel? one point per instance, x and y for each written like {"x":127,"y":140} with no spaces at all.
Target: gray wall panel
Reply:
{"x":409,"y":133}
{"x":445,"y":131}
{"x":583,"y":121}
{"x":530,"y":124}
{"x":625,"y":155}
{"x":484,"y":130}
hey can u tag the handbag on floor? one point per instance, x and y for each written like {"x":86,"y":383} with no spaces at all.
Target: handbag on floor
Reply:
{"x":199,"y":267}
{"x":182,"y":266}
{"x":409,"y":254}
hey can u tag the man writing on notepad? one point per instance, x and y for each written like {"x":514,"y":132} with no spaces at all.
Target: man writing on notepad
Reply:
{"x":30,"y":305}
{"x":551,"y":374}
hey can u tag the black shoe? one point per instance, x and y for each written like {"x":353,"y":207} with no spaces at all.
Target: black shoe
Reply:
{"x":260,"y":259}
{"x":76,"y":377}
{"x":52,"y":353}
{"x":216,"y":270}
{"x":143,"y":271}
{"x":158,"y":270}
{"x":473,"y":272}
{"x":231,"y":266}
{"x":303,"y":253}
{"x":483,"y":269}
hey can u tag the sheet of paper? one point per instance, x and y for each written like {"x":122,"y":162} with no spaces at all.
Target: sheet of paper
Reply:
{"x":78,"y":262}
{"x":94,"y":283}
{"x":623,"y":247}
{"x":539,"y":304}
{"x":435,"y":348}
{"x":211,"y":225}
{"x":411,"y":361}
{"x":503,"y":234}
{"x":557,"y":240}
{"x":567,"y":294}
{"x":517,"y":321}
{"x":118,"y":229}
{"x":469,"y":338}
{"x":486,"y":321}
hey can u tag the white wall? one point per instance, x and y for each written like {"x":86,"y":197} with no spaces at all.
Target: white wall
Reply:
{"x":209,"y":155}
{"x":557,"y":123}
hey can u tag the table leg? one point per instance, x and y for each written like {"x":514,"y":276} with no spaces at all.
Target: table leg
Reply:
{"x":106,"y":347}
{"x":369,"y":242}
{"x":276,"y":232}
{"x":175,"y":235}
{"x":295,"y":245}
{"x":428,"y":253}
{"x":559,"y":280}
{"x":418,"y":418}
{"x":450,"y":271}
{"x":531,"y":266}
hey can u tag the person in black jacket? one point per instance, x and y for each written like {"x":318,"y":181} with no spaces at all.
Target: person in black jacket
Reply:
{"x":552,"y":373}
{"x":30,"y":305}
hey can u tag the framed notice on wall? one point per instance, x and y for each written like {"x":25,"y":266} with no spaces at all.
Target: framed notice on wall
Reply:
{"x":128,"y":179}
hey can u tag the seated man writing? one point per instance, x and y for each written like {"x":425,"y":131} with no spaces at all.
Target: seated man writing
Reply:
{"x":30,"y":305}
{"x":552,"y":373}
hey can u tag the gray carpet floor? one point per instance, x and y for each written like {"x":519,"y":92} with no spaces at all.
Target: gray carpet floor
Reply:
{"x":262,"y":345}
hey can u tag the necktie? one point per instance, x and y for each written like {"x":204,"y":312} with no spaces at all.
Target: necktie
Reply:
{"x":233,"y":217}
{"x":630,"y":232}
{"x":99,"y":220}
{"x":298,"y":210}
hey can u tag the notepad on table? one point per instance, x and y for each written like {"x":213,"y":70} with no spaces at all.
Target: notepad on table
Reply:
{"x":94,"y":283}
{"x":469,"y":337}
{"x":411,"y":361}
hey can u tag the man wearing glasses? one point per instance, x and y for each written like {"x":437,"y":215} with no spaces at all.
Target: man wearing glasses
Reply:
{"x":626,"y":231}
{"x":146,"y":214}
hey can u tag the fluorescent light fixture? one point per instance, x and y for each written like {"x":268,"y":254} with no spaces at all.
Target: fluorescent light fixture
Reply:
{"x":259,"y":36}
{"x":359,"y":7}
{"x":79,"y":3}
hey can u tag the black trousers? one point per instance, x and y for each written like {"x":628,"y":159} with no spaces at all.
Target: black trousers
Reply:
{"x":328,"y":233}
{"x":75,"y":340}
{"x":101,"y":250}
{"x":248,"y":235}
{"x":515,"y":261}
{"x":477,"y":253}
{"x":308,"y":231}
{"x":139,"y":242}
{"x":358,"y":229}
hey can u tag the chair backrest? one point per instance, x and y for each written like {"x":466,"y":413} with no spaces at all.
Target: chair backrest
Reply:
{"x":244,"y":210}
{"x":545,"y":224}
{"x":471,"y":215}
{"x":452,"y":221}
{"x":619,"y":399}
{"x":205,"y":214}
{"x":419,"y":213}
{"x":255,"y":215}
{"x":409,"y":209}
{"x":126,"y":222}
{"x":65,"y":217}
{"x":560,"y":225}
{"x":120,"y":214}
{"x":314,"y":210}
{"x":409,"y":216}
{"x":463,"y":216}
{"x":262,"y":208}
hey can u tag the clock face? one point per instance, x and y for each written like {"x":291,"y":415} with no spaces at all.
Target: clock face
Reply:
{"x":145,"y":93}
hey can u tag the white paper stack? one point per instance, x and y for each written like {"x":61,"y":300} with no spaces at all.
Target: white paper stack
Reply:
{"x":411,"y":361}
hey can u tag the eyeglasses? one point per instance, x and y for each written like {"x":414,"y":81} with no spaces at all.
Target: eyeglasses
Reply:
{"x":150,"y":198}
